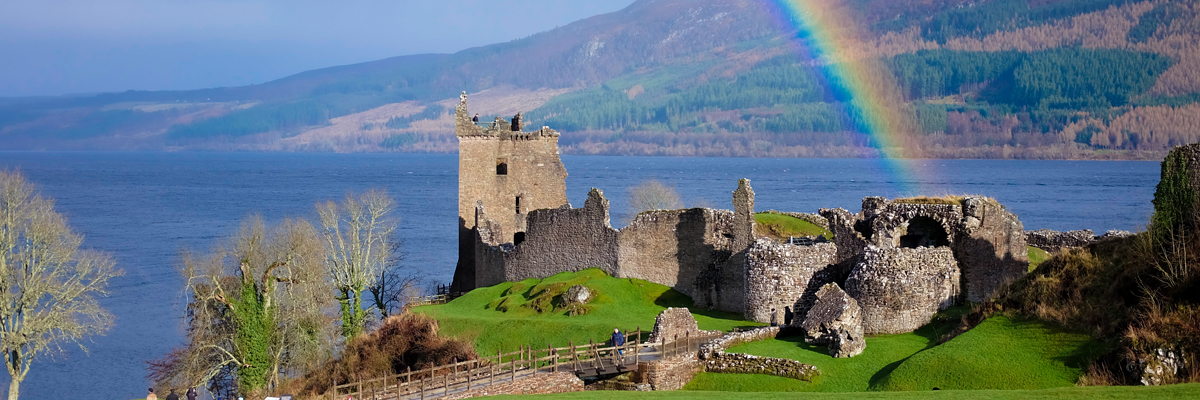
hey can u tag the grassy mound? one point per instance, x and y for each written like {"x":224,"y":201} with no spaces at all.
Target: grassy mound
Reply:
{"x":531,"y":313}
{"x":1036,"y":256}
{"x":780,"y":227}
{"x":1187,"y":391}
{"x":853,"y":374}
{"x":1000,"y":353}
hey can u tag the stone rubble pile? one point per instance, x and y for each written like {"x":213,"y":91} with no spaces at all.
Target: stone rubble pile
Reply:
{"x":835,"y":321}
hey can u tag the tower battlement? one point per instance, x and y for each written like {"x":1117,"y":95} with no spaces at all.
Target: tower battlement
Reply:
{"x":498,"y":128}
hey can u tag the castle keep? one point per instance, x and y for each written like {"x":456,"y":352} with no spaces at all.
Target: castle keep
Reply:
{"x":506,"y":171}
{"x":899,"y":260}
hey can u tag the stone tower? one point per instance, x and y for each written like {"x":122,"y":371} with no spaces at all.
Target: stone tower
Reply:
{"x":509,"y":172}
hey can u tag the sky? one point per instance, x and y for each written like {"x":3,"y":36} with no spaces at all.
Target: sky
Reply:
{"x":56,"y":47}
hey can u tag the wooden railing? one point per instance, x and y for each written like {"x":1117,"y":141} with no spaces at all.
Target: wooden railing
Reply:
{"x":443,"y":379}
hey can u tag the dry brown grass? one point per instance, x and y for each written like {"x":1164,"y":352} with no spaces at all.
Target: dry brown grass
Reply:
{"x":408,"y":340}
{"x":1135,"y":293}
{"x":948,"y":199}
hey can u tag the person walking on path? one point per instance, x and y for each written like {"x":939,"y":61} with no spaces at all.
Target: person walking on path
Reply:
{"x":774,"y":318}
{"x":618,"y":340}
{"x":475,"y":118}
{"x":172,"y":395}
{"x":151,"y":396}
{"x":191,"y":393}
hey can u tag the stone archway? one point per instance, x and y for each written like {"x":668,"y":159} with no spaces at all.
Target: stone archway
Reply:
{"x":924,"y":231}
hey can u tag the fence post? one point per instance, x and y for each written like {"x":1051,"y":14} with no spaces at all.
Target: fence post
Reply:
{"x":492,"y":371}
{"x":512,"y":370}
{"x":553,"y":358}
{"x":574,"y":356}
{"x":422,"y":388}
{"x":446,"y":386}
{"x":637,"y":349}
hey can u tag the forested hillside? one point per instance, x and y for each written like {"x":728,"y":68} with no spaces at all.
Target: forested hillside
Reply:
{"x":980,"y":79}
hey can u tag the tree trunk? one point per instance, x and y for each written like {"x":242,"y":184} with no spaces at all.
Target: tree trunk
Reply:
{"x":13,"y":389}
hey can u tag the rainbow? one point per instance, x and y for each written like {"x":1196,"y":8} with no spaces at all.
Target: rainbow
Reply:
{"x":829,"y":34}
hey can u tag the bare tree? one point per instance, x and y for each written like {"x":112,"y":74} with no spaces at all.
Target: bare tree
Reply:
{"x":257,"y":309}
{"x":48,"y":285}
{"x":359,"y":243}
{"x":652,"y":195}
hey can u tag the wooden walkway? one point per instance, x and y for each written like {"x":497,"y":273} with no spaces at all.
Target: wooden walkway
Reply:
{"x":592,"y":360}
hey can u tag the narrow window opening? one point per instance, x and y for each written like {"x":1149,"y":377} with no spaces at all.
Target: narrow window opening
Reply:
{"x":518,"y":207}
{"x":501,"y":166}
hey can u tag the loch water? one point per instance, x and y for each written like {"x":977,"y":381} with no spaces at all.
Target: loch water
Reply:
{"x":143,"y":208}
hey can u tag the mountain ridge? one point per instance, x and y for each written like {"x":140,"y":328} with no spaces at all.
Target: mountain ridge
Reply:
{"x":657,"y":53}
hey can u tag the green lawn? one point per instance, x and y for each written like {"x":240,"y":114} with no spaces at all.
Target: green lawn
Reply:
{"x":1036,"y":256}
{"x":623,"y":303}
{"x":1184,"y":391}
{"x":781,"y":226}
{"x":1000,"y":353}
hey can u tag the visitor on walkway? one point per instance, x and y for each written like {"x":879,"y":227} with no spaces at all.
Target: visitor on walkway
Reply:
{"x":151,"y":396}
{"x":774,"y":318}
{"x":191,"y":393}
{"x":172,"y":395}
{"x":618,"y":340}
{"x":475,"y":119}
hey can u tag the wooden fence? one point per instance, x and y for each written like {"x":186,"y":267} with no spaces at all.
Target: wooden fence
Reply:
{"x":507,"y":367}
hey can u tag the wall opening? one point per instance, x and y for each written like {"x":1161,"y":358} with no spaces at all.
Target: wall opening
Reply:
{"x":924,"y":232}
{"x":518,"y":238}
{"x":501,"y":166}
{"x":518,"y":206}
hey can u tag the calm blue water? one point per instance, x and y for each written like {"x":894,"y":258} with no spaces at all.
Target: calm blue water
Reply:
{"x":144,"y":207}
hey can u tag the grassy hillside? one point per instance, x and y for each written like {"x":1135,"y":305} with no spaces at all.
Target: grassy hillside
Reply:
{"x":980,"y":79}
{"x":529,"y":313}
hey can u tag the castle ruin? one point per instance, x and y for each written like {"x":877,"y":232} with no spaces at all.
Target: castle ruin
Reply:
{"x":902,"y":261}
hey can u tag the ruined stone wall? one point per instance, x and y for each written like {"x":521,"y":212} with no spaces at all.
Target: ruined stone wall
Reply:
{"x":900,"y":289}
{"x":677,"y":248}
{"x":565,"y":240}
{"x":677,"y":324}
{"x":1049,"y":240}
{"x":990,"y":248}
{"x":779,"y":274}
{"x":669,"y":374}
{"x":716,"y":347}
{"x":850,"y":243}
{"x":736,"y":363}
{"x":895,"y":221}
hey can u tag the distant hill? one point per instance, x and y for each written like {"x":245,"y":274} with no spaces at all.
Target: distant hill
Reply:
{"x":983,"y":79}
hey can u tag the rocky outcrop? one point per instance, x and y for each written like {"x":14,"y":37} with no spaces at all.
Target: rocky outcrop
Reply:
{"x":577,"y":294}
{"x":1158,"y":368}
{"x":750,"y":364}
{"x":900,"y":289}
{"x":835,"y":321}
